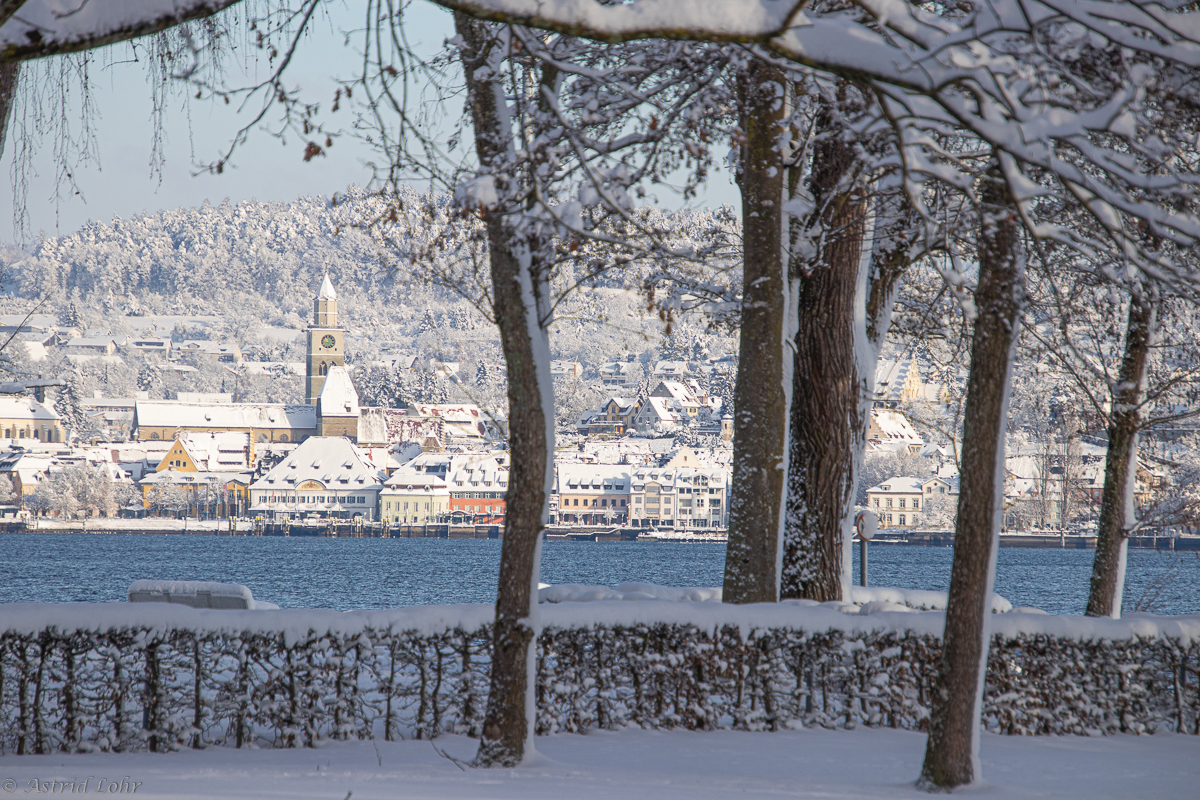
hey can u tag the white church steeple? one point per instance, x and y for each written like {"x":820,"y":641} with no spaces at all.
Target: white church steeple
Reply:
{"x":326,"y":341}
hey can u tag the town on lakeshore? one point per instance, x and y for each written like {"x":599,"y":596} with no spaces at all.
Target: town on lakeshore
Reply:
{"x":653,"y":461}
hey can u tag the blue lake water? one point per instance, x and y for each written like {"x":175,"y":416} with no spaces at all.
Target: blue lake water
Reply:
{"x":386,"y":573}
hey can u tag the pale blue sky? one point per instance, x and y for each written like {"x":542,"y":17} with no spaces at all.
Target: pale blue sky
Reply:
{"x":122,"y":182}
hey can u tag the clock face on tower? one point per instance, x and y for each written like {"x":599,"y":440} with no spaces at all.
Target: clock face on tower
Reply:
{"x":327,"y":341}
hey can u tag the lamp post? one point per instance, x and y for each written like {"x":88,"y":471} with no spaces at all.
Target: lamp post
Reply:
{"x":866,"y":523}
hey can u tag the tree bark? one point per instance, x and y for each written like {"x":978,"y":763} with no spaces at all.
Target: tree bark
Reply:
{"x":1120,"y":469}
{"x":760,"y":414}
{"x":826,"y":408}
{"x":517,"y":301}
{"x":8,"y":89}
{"x":951,"y":755}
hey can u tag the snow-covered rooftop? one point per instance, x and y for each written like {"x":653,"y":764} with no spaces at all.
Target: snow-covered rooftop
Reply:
{"x":167,"y":413}
{"x":332,"y":461}
{"x":338,"y":396}
{"x":904,"y":485}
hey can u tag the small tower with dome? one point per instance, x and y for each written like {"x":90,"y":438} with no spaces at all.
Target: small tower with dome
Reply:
{"x":326,"y":341}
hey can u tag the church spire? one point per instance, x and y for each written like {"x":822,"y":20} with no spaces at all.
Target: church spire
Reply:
{"x":326,"y":292}
{"x":326,"y":340}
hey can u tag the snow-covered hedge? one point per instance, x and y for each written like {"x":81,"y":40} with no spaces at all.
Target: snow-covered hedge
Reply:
{"x":156,"y":676}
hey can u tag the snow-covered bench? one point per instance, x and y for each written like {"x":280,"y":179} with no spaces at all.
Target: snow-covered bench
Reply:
{"x":197,"y":594}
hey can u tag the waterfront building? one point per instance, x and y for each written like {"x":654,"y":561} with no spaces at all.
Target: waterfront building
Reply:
{"x":679,"y":498}
{"x":898,"y":501}
{"x":323,"y":477}
{"x":591,"y":494}
{"x":477,"y":483}
{"x":210,"y":471}
{"x":411,"y":497}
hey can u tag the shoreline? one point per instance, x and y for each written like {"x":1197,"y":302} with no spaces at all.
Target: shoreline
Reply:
{"x":247,"y":528}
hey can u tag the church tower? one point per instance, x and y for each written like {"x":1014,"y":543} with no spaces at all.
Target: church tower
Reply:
{"x":326,"y":342}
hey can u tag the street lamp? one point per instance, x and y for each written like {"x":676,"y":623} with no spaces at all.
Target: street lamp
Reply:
{"x":867,"y":524}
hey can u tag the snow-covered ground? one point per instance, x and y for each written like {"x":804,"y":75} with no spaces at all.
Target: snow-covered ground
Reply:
{"x":835,"y":765}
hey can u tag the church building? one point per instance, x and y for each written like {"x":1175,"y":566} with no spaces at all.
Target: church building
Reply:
{"x":326,"y":342}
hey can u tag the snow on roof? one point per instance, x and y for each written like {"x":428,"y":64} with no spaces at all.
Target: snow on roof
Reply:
{"x":657,"y":409}
{"x":332,"y":461}
{"x":678,"y":391}
{"x":326,"y":291}
{"x":591,"y":477}
{"x":168,"y":413}
{"x":208,"y":347}
{"x":900,"y":484}
{"x":223,"y":451}
{"x":408,"y":478}
{"x":338,"y":396}
{"x":474,"y":469}
{"x":894,"y":425}
{"x":461,"y":419}
{"x":23,"y":407}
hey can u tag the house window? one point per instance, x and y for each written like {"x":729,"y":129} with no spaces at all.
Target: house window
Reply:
{"x":889,"y":504}
{"x":902,"y":502}
{"x":889,"y":519}
{"x":875,"y":502}
{"x":916,"y":502}
{"x":901,"y":519}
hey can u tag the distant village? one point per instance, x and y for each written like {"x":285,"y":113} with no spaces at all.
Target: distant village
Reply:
{"x":654,"y":456}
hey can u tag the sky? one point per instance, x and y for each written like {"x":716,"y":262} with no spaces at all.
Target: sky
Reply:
{"x":120,"y":181}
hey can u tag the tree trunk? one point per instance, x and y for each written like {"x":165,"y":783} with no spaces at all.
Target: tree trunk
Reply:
{"x":518,"y":301}
{"x":760,"y":414}
{"x":951,"y":755}
{"x":843,"y":314}
{"x":8,"y":89}
{"x":826,"y":409}
{"x":1120,"y":470}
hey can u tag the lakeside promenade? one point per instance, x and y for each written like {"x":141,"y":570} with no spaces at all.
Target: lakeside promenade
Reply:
{"x":340,"y":529}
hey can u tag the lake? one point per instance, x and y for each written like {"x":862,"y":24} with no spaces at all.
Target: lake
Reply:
{"x":385,"y":573}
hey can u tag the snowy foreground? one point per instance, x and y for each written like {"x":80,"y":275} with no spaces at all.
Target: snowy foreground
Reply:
{"x":831,"y":764}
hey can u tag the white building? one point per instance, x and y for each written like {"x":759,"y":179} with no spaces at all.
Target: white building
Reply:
{"x":897,"y":501}
{"x":411,"y":497}
{"x":323,"y":477}
{"x":679,"y":498}
{"x":591,"y":494}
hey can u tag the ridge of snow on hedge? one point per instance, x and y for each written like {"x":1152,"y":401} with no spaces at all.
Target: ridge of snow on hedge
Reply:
{"x":874,"y":610}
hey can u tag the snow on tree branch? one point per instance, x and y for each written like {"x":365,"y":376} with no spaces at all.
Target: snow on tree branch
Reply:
{"x":39,"y":28}
{"x":709,"y":20}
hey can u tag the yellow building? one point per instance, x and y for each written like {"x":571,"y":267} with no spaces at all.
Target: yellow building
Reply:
{"x":22,"y":417}
{"x":212,"y":470}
